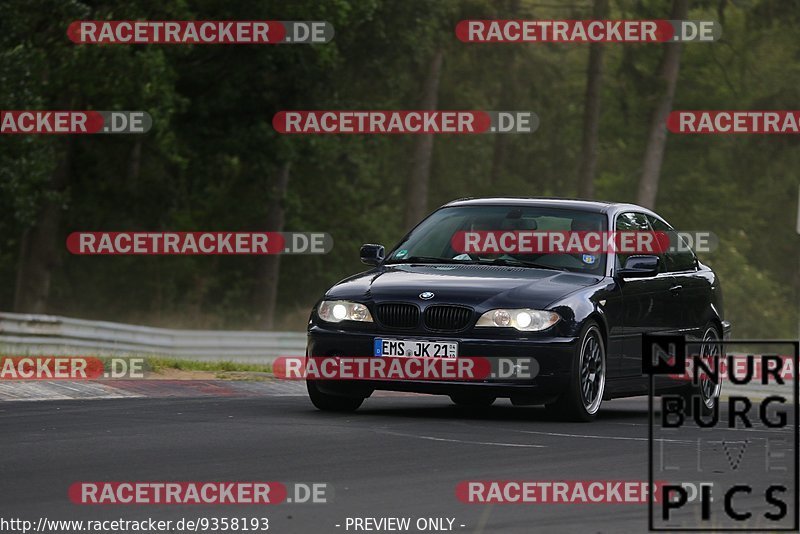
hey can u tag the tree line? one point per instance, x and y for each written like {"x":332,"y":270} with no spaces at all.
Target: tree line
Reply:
{"x":213,"y":161}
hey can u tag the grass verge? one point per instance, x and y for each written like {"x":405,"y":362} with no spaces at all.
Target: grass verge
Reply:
{"x":157,"y":364}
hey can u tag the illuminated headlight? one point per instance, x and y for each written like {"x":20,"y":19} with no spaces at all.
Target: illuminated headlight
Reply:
{"x":335,"y":311}
{"x":525,"y":319}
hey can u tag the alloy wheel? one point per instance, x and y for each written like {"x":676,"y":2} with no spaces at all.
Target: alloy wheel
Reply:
{"x":593,"y":370}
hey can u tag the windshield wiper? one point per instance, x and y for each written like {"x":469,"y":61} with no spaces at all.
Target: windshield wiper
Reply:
{"x":496,"y":261}
{"x":423,"y":259}
{"x":521,"y":263}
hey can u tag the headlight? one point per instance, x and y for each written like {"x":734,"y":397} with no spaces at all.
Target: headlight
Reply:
{"x":335,"y":311}
{"x":523,"y":319}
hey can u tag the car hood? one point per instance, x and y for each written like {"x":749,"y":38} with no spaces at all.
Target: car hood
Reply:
{"x":470,"y":285}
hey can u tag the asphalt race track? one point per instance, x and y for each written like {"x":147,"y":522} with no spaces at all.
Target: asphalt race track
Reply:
{"x":399,"y":456}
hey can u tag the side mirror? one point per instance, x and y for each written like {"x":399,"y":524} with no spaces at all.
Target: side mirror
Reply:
{"x":372,"y":254}
{"x":640,"y":267}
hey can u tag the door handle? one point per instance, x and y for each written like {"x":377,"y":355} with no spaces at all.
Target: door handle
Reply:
{"x":675,"y":289}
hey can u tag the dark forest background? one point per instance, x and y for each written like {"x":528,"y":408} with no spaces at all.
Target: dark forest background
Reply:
{"x":213,"y":162}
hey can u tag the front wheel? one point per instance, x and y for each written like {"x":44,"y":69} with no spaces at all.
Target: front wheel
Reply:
{"x":332,"y":403}
{"x":584,"y":393}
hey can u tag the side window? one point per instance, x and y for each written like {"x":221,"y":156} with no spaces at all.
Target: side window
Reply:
{"x":676,"y":260}
{"x":630,"y":222}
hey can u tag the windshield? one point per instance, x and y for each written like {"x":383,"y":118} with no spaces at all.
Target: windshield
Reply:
{"x":446,"y":237}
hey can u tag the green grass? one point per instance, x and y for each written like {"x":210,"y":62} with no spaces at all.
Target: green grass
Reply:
{"x":156,"y":364}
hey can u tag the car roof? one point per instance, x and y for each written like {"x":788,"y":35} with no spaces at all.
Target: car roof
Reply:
{"x":596,"y":206}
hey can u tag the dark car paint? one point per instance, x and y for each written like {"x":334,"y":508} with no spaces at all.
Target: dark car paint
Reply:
{"x":462,"y":284}
{"x":678,"y":302}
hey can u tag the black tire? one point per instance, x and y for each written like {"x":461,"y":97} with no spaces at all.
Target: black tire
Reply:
{"x":584,"y":380}
{"x":707,"y":397}
{"x":332,"y":403}
{"x":472,"y":401}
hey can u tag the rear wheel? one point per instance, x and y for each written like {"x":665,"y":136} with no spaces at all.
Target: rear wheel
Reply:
{"x":582,"y":398}
{"x":472,"y":401}
{"x":706,"y":392}
{"x":332,"y":403}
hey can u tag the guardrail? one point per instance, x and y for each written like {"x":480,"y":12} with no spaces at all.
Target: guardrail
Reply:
{"x":25,"y":334}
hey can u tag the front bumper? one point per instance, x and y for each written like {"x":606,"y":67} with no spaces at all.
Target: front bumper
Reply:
{"x":550,"y":364}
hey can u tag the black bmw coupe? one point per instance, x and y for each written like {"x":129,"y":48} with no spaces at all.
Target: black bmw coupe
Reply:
{"x":578,"y":316}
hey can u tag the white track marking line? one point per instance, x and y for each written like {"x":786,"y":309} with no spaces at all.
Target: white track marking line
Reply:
{"x":591,"y":436}
{"x":588,"y":436}
{"x":467,"y":442}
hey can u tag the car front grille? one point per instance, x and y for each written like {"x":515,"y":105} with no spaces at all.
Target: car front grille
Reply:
{"x":447,"y":318}
{"x":396,"y":315}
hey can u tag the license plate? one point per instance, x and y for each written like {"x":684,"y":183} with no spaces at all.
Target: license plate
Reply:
{"x":415,"y":348}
